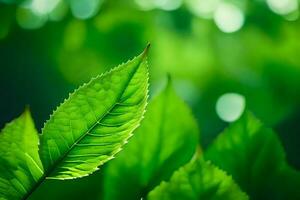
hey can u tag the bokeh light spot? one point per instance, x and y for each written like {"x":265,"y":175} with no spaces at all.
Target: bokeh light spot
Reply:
{"x":230,"y":106}
{"x":29,"y":20}
{"x":283,"y":7}
{"x":59,"y":11}
{"x":43,"y":7}
{"x":84,"y":9}
{"x":145,"y":4}
{"x":229,"y":18}
{"x":168,"y":4}
{"x":203,"y":8}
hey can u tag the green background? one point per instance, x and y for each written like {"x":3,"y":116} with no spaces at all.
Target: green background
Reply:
{"x":46,"y":55}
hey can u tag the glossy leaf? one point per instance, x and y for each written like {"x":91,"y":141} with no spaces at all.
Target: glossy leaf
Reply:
{"x":90,"y":127}
{"x":253,"y":155}
{"x":166,"y":140}
{"x":20,"y":165}
{"x":198,"y":180}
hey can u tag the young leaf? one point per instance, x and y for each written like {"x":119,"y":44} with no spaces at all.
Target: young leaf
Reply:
{"x":20,"y":165}
{"x":198,"y":180}
{"x":90,"y":127}
{"x":253,"y":155}
{"x":166,"y":140}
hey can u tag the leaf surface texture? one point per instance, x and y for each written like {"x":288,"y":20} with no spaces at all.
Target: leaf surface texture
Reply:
{"x":166,"y":140}
{"x":254,"y":156}
{"x":198,"y":180}
{"x":20,"y":165}
{"x":90,"y":127}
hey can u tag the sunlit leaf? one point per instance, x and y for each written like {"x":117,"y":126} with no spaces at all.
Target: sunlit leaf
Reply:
{"x":20,"y":165}
{"x":198,"y":180}
{"x":254,"y":157}
{"x":90,"y":127}
{"x":86,"y":131}
{"x":166,"y":140}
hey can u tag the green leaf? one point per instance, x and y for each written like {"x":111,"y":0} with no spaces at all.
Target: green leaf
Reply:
{"x":166,"y":140}
{"x":20,"y":165}
{"x":253,"y":155}
{"x":90,"y":127}
{"x":86,"y":131}
{"x":198,"y":180}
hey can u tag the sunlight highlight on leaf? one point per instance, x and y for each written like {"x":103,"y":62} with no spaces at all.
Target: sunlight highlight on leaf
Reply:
{"x":20,"y":165}
{"x":93,"y":124}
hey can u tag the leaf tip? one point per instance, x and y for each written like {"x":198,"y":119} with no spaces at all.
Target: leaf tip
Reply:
{"x":169,"y":81}
{"x":27,"y":112}
{"x":169,"y":78}
{"x":27,"y":108}
{"x":146,"y":50}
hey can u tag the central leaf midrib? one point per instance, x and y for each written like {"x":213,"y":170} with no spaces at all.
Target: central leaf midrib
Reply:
{"x":95,"y":124}
{"x":48,"y":172}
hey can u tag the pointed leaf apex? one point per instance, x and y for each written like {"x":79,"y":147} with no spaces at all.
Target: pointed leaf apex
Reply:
{"x":169,"y":81}
{"x":145,"y":52}
{"x":27,"y":111}
{"x":169,"y":78}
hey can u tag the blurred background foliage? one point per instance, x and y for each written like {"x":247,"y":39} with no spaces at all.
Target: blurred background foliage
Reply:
{"x":224,"y":55}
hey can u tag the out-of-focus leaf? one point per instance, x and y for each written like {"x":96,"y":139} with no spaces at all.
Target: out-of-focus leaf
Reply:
{"x":254,"y":157}
{"x":165,"y":141}
{"x":198,"y":180}
{"x":20,"y":164}
{"x":91,"y":126}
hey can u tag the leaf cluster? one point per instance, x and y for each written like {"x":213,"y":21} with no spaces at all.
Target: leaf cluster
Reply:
{"x":83,"y":133}
{"x":164,"y":160}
